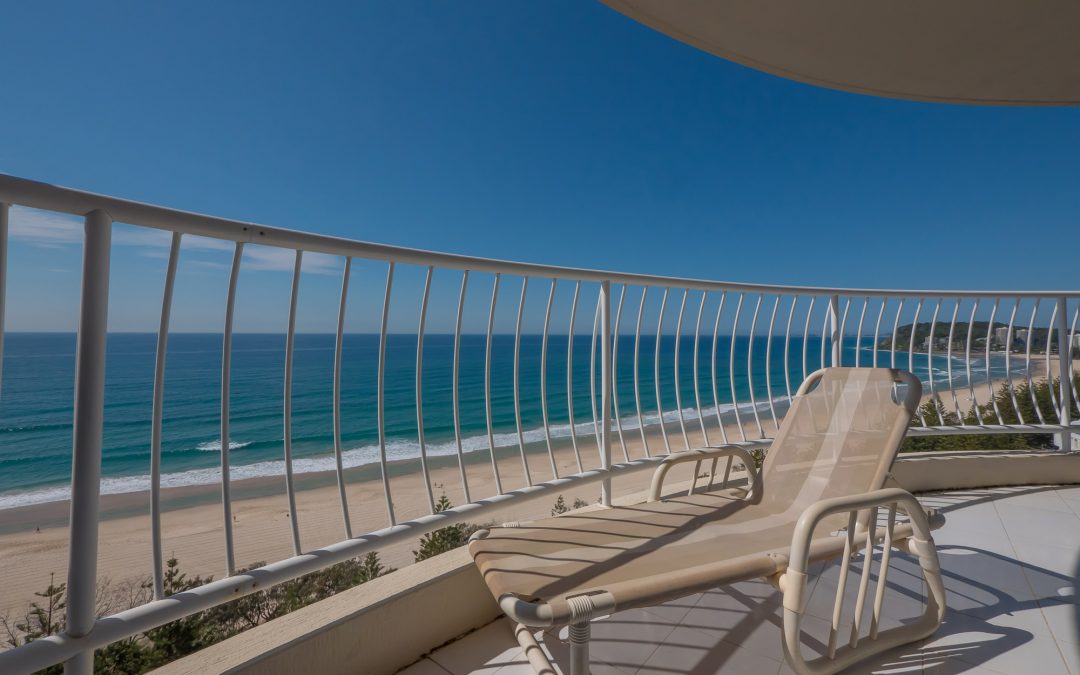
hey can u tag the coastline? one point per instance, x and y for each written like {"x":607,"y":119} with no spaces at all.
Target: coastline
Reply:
{"x":191,"y":515}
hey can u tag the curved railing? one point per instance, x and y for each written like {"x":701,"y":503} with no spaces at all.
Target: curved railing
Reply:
{"x":635,"y":365}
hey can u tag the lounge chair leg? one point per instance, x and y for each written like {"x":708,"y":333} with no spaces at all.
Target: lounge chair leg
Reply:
{"x":579,"y":648}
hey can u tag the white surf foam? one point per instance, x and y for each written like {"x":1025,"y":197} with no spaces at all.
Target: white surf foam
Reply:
{"x":396,"y":449}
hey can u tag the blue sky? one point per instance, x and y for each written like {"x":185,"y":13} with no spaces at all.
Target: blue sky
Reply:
{"x":555,"y":132}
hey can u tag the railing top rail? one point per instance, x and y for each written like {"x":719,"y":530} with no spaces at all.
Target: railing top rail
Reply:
{"x":35,"y":194}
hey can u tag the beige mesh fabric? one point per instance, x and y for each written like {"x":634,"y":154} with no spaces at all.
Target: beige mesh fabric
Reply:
{"x":838,"y":439}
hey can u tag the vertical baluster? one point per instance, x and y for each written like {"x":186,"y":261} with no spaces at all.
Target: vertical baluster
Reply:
{"x":226,"y":367}
{"x":750,"y":366}
{"x":895,"y":331}
{"x":930,"y":362}
{"x":4,"y":217}
{"x":678,"y":384}
{"x":967,"y":357}
{"x":592,"y":373}
{"x":487,"y":381}
{"x":517,"y":379}
{"x":806,"y":337}
{"x":615,"y":373}
{"x":1027,"y":361}
{"x":1072,"y":341}
{"x":156,"y":414}
{"x":86,"y":436}
{"x":381,"y":396}
{"x":338,"y":348}
{"x":731,"y":366}
{"x":570,"y":375}
{"x":1064,"y":372}
{"x":656,"y":371}
{"x":911,"y":352}
{"x":697,"y":384}
{"x":637,"y":370}
{"x":827,"y":330}
{"x":1008,"y":361}
{"x":864,"y":577}
{"x":290,"y":343}
{"x":787,"y":348}
{"x":768,"y":363}
{"x":883,"y":572}
{"x":877,"y":330}
{"x":543,"y":379}
{"x":605,"y":389}
{"x":859,"y":331}
{"x":989,"y":376}
{"x":1049,"y":372}
{"x":456,"y":388}
{"x":949,"y":358}
{"x":420,"y":389}
{"x":838,"y":343}
{"x":715,"y":391}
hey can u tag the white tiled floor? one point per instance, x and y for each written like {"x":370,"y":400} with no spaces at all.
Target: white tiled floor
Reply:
{"x":1011,"y":559}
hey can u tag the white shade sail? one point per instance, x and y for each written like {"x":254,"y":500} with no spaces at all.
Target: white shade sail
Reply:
{"x":995,"y":52}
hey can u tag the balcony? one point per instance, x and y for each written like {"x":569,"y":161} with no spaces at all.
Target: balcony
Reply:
{"x":511,"y":385}
{"x":1012,"y":607}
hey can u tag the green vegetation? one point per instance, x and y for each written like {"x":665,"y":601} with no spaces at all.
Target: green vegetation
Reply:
{"x":561,"y":507}
{"x":937,"y":413}
{"x":146,"y":651}
{"x":143,"y":652}
{"x":447,"y":538}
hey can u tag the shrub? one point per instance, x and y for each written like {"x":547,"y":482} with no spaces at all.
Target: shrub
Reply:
{"x":173,"y":640}
{"x":1014,"y":403}
{"x":444,"y":539}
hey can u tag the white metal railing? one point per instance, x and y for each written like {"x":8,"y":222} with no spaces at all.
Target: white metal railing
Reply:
{"x":760,"y":322}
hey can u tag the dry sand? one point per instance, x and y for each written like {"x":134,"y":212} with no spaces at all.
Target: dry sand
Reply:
{"x":192,"y":519}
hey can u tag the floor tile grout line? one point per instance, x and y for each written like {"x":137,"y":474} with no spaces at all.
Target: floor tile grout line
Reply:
{"x":1035,"y":507}
{"x":1031,"y":586}
{"x":437,"y":665}
{"x":1035,"y":594}
{"x":662,"y":642}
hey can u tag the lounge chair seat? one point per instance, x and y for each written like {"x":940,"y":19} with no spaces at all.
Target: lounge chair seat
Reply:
{"x":642,"y":555}
{"x":817,"y":497}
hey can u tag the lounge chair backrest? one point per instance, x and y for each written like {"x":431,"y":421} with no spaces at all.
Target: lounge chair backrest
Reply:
{"x":839,"y":437}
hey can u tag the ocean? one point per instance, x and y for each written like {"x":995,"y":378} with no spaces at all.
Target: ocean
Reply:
{"x":37,"y":396}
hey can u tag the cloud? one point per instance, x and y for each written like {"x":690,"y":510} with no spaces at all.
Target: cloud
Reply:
{"x":48,"y":229}
{"x":44,"y":228}
{"x":268,"y":258}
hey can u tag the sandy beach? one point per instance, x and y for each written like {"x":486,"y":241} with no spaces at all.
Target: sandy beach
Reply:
{"x":33,"y":539}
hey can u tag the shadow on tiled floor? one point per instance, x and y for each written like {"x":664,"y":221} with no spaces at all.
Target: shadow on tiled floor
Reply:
{"x":1010,"y":560}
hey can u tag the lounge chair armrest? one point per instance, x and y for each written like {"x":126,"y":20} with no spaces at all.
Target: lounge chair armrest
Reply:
{"x":794,"y":580}
{"x":818,"y":511}
{"x":699,"y":455}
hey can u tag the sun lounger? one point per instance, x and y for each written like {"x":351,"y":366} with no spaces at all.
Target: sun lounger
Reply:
{"x":817,"y":497}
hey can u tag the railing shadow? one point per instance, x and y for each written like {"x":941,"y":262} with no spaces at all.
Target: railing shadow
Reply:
{"x":968,"y":638}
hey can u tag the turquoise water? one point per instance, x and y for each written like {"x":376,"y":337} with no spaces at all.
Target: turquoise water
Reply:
{"x":36,"y":403}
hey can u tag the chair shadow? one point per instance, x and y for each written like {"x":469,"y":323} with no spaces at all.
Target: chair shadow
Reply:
{"x":989,"y":641}
{"x":930,"y":655}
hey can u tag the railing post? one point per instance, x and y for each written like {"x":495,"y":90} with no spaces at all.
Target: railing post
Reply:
{"x":1064,"y":373}
{"x":3,"y":280}
{"x":605,"y":391}
{"x":86,"y":437}
{"x":834,"y":328}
